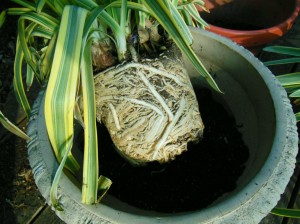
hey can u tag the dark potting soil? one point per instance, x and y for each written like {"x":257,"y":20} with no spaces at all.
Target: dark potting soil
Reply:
{"x":194,"y":179}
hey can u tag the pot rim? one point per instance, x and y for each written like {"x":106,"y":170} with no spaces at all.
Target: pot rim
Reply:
{"x":226,"y":210}
{"x":271,"y":33}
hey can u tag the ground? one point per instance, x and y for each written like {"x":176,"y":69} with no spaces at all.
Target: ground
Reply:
{"x":19,"y":196}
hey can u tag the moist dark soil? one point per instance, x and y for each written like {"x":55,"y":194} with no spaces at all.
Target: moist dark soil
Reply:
{"x":194,"y":179}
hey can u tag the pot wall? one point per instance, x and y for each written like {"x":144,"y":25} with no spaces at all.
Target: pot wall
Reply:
{"x":252,"y":23}
{"x":252,"y":95}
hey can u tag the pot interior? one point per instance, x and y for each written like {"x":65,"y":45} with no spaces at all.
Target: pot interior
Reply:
{"x":247,"y":15}
{"x":245,"y":96}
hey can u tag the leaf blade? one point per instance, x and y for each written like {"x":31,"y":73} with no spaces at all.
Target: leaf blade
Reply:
{"x":63,"y":81}
{"x":159,"y":11}
{"x":12,"y":128}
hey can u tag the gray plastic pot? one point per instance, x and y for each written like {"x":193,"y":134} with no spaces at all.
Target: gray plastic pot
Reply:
{"x":255,"y":98}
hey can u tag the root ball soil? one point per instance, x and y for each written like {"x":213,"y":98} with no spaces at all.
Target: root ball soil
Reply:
{"x":194,"y":179}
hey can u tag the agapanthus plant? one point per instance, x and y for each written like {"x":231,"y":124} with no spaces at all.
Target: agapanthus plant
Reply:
{"x":118,"y":62}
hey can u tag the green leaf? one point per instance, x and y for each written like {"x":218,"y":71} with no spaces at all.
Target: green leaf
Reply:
{"x":29,"y":77}
{"x":47,"y":60}
{"x":175,"y":3}
{"x":192,"y":10}
{"x":44,"y":20}
{"x":297,"y":116}
{"x":187,"y":18}
{"x":165,"y":18}
{"x":23,"y":40}
{"x":87,"y":4}
{"x":2,"y":18}
{"x":18,"y":11}
{"x":24,"y":34}
{"x":289,"y":80}
{"x":90,"y":161}
{"x":293,"y":51}
{"x":295,"y":93}
{"x":63,"y":81}
{"x":40,"y":5}
{"x":26,"y":4}
{"x":18,"y":80}
{"x":130,"y":5}
{"x":59,"y":5}
{"x":11,"y":127}
{"x":292,"y":213}
{"x":282,"y":61}
{"x":103,"y":185}
{"x":50,"y":4}
{"x":119,"y":33}
{"x":54,"y":185}
{"x":41,"y":32}
{"x":174,"y":15}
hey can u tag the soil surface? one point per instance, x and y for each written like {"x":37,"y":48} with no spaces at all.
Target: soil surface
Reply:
{"x":194,"y":179}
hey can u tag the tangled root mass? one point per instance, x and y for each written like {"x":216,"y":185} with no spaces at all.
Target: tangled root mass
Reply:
{"x":149,"y":108}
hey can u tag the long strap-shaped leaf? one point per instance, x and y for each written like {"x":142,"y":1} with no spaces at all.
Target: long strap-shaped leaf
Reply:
{"x":40,"y":5}
{"x":36,"y":19}
{"x":282,"y":61}
{"x":12,"y":128}
{"x":292,"y":213}
{"x":293,"y":51}
{"x":290,"y":79}
{"x":54,"y":186}
{"x":18,"y":80}
{"x":2,"y":18}
{"x":61,"y":90}
{"x":90,"y":162}
{"x":161,"y":11}
{"x":297,"y":116}
{"x":26,"y":4}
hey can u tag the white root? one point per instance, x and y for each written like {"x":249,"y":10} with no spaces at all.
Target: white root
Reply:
{"x":149,"y":109}
{"x":114,"y":113}
{"x":157,"y":96}
{"x":170,"y":126}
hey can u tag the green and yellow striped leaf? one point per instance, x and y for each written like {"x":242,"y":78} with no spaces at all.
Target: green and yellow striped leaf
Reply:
{"x":26,"y":4}
{"x":192,"y":10}
{"x":17,"y":11}
{"x":163,"y":14}
{"x":18,"y":80}
{"x":63,"y":81}
{"x":11,"y":127}
{"x":54,"y":186}
{"x":90,"y":162}
{"x":285,"y":212}
{"x":40,"y":5}
{"x":47,"y":60}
